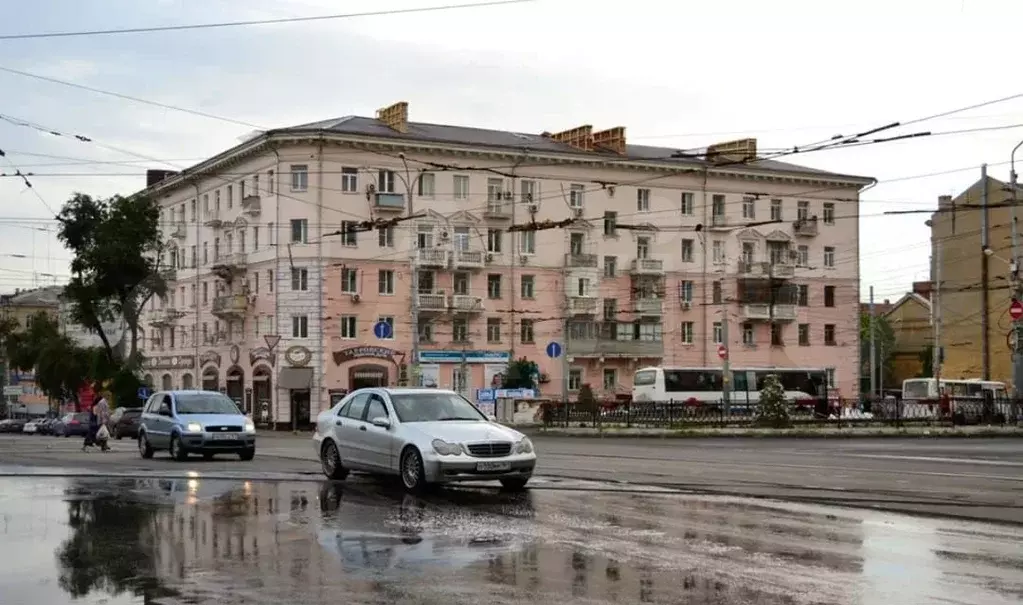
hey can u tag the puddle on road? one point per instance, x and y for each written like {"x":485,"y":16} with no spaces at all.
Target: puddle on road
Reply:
{"x":123,"y":541}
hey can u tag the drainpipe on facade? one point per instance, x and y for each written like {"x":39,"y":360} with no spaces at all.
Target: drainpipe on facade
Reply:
{"x":703,"y":290}
{"x":275,"y":395}
{"x":318,"y":367}
{"x":197,"y":371}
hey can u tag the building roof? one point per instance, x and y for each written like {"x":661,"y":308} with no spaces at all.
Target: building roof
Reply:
{"x":908,"y":296}
{"x":48,"y":296}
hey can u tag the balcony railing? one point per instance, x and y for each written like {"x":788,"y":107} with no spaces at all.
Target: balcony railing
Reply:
{"x":469,"y":259}
{"x":169,"y":274}
{"x":782,"y":270}
{"x":390,"y":202}
{"x":583,"y":261}
{"x":763,"y":312}
{"x":647,"y":266}
{"x":648,"y":306}
{"x":432,"y":257}
{"x":252,"y":204}
{"x":616,"y":348}
{"x":582,"y":305}
{"x":719,"y":221}
{"x":465,"y":303}
{"x":498,"y":209}
{"x":805,"y":227}
{"x":180,"y":231}
{"x":232,"y":306}
{"x":212,"y":218}
{"x":432,"y":301}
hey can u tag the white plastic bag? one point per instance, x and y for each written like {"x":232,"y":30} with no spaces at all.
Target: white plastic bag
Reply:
{"x":102,"y":433}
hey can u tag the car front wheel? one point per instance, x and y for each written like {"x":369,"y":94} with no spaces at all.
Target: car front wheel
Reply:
{"x":145,"y":449}
{"x":413,"y":477}
{"x":176,"y":451}
{"x":247,"y":455}
{"x":330,"y":460}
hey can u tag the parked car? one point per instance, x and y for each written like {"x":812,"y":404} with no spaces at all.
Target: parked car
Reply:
{"x":12,"y":425}
{"x":72,"y":425}
{"x":199,"y":422}
{"x":45,"y":426}
{"x":424,"y":436}
{"x":31,"y":427}
{"x":124,"y":422}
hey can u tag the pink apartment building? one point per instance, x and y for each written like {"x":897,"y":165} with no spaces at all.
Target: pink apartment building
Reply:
{"x":281,"y":273}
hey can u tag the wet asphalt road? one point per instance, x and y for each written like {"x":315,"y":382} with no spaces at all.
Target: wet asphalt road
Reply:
{"x":977,"y":478}
{"x":208,"y":539}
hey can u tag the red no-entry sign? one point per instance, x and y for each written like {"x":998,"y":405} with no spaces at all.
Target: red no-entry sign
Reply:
{"x":723,"y":350}
{"x":1016,"y":310}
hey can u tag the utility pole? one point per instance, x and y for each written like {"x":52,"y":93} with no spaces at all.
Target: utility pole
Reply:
{"x":936,"y":315}
{"x":726,"y":365}
{"x":873,"y":346}
{"x":984,"y":276}
{"x":414,"y":267}
{"x":1017,"y":292}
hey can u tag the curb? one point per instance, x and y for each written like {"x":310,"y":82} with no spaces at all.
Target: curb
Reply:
{"x":780,"y":434}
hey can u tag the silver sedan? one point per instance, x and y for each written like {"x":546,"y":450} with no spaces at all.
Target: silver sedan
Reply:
{"x":424,"y":436}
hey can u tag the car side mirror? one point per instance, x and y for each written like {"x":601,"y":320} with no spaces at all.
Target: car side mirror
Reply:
{"x":382,"y":422}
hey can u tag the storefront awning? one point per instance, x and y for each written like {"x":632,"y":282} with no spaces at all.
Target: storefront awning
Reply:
{"x":295,"y":378}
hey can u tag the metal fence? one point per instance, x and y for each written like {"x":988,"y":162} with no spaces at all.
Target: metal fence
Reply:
{"x":819,"y":412}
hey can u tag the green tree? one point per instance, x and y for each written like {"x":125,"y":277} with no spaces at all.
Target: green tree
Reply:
{"x":884,"y":337}
{"x":587,"y":400}
{"x":117,"y":249}
{"x":773,"y":410}
{"x":520,"y":374}
{"x":927,"y":362}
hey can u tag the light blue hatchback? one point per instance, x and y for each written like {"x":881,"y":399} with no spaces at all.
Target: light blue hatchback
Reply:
{"x":195,"y":422}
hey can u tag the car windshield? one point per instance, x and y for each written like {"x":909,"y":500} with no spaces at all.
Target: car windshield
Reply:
{"x":205,"y":403}
{"x":434,"y":407}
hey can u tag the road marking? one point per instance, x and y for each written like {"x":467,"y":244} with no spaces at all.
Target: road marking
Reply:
{"x":980,"y":461}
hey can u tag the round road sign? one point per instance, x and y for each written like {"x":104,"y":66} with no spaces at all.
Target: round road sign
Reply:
{"x":722,"y":351}
{"x":1016,"y":310}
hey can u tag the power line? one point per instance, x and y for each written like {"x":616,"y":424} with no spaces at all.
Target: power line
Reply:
{"x":281,"y":20}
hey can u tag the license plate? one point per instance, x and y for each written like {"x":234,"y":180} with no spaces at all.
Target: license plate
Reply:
{"x":224,"y":437}
{"x":493,"y":466}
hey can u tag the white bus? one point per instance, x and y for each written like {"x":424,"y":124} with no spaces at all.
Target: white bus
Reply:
{"x":704,"y":385}
{"x":916,"y":389}
{"x":967,"y":400}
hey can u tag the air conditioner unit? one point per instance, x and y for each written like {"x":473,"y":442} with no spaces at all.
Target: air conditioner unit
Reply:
{"x":490,"y":258}
{"x":507,"y":195}
{"x":356,"y":298}
{"x":686,"y":305}
{"x":527,"y":198}
{"x":577,"y":212}
{"x":523,"y":260}
{"x":533,"y":208}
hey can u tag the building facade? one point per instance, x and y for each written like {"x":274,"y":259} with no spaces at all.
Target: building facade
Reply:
{"x":20,"y":390}
{"x":303,"y":261}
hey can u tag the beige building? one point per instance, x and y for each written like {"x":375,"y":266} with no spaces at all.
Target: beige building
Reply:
{"x":910,"y":320}
{"x":21,"y":306}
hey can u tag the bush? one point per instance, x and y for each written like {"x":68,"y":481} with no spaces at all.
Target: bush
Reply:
{"x":773,"y":411}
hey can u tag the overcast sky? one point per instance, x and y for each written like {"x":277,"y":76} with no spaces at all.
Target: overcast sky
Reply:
{"x":681,"y":74}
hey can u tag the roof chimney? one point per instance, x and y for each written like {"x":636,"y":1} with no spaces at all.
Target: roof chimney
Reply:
{"x":944,"y":201}
{"x":740,"y":151}
{"x":581,"y":138}
{"x":922,"y":288}
{"x":395,"y":116}
{"x":154,"y":176}
{"x":612,"y":139}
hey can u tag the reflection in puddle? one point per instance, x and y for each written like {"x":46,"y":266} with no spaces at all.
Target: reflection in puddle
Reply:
{"x":196,"y":540}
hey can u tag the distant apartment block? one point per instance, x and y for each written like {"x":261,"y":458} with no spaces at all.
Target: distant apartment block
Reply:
{"x":279,"y":272}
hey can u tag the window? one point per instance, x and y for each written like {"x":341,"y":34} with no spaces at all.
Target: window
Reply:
{"x":216,"y":201}
{"x":804,"y":335}
{"x":349,"y":281}
{"x":460,"y":283}
{"x":230,"y":197}
{"x":299,"y":177}
{"x":461,"y":187}
{"x":803,"y":256}
{"x":350,"y":180}
{"x":575,"y":196}
{"x":299,"y":279}
{"x":832,"y":381}
{"x":495,"y":193}
{"x":717,"y":205}
{"x":205,"y":293}
{"x":461,"y":239}
{"x":748,"y":252}
{"x":424,"y":237}
{"x":241,"y":241}
{"x":348,"y":327}
{"x":582,"y":286}
{"x":610,"y":224}
{"x":778,"y":253}
{"x":643,"y":200}
{"x":193,"y":256}
{"x":526,"y":331}
{"x":829,"y":257}
{"x":299,"y":230}
{"x":205,"y":253}
{"x":802,"y":211}
{"x":803,"y":295}
{"x":216,"y":249}
{"x":610,"y":309}
{"x":255,"y":282}
{"x":270,"y":280}
{"x":749,"y":207}
{"x":349,"y":233}
{"x":425,"y":331}
{"x":748,"y":335}
{"x":687,"y":250}
{"x":777,"y":331}
{"x":829,"y":335}
{"x":686,"y":331}
{"x":575,"y":379}
{"x":300,"y":326}
{"x":715,"y":292}
{"x":685,"y":291}
{"x":460,"y":330}
{"x":527,"y":286}
{"x":426,"y":282}
{"x":527,"y":242}
{"x":493,"y":329}
{"x":270,"y":181}
{"x":719,"y":333}
{"x":427,"y":184}
{"x":385,"y":181}
{"x":643,"y":247}
{"x":776,"y":210}
{"x":494,"y":240}
{"x":718,"y":249}
{"x":528,"y":189}
{"x":829,"y":296}
{"x":385,"y":281}
{"x":576,"y":243}
{"x":385,"y":237}
{"x":610,"y":266}
{"x":829,"y":214}
{"x":494,"y":286}
{"x":688,"y":203}
{"x":255,"y":238}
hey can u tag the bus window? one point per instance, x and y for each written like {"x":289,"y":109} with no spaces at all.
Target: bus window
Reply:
{"x":645,"y":378}
{"x":677,"y":381}
{"x":916,"y":389}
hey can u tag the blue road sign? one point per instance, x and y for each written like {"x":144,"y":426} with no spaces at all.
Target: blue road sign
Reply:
{"x":382,"y":329}
{"x":144,"y":393}
{"x":553,"y":350}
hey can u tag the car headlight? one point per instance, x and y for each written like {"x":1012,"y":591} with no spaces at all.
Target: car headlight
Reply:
{"x":193,"y":427}
{"x":525,"y":446}
{"x":250,"y":427}
{"x":446,"y":449}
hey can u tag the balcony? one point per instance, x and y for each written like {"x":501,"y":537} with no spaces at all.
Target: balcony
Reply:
{"x":649,"y":307}
{"x":581,"y":261}
{"x":767,"y":269}
{"x":180,"y":231}
{"x":647,"y":266}
{"x":582,"y":305}
{"x":230,"y":306}
{"x":763,"y":312}
{"x":784,"y":312}
{"x":166,"y":317}
{"x":389,"y":202}
{"x":469,"y":259}
{"x":498,"y":210}
{"x":432,"y":257}
{"x":615,"y":348}
{"x":806,"y":227}
{"x":432,"y":301}
{"x":169,"y":274}
{"x":464,"y":303}
{"x":718,"y":222}
{"x":252,"y":204}
{"x":783,"y":270}
{"x":212,"y":218}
